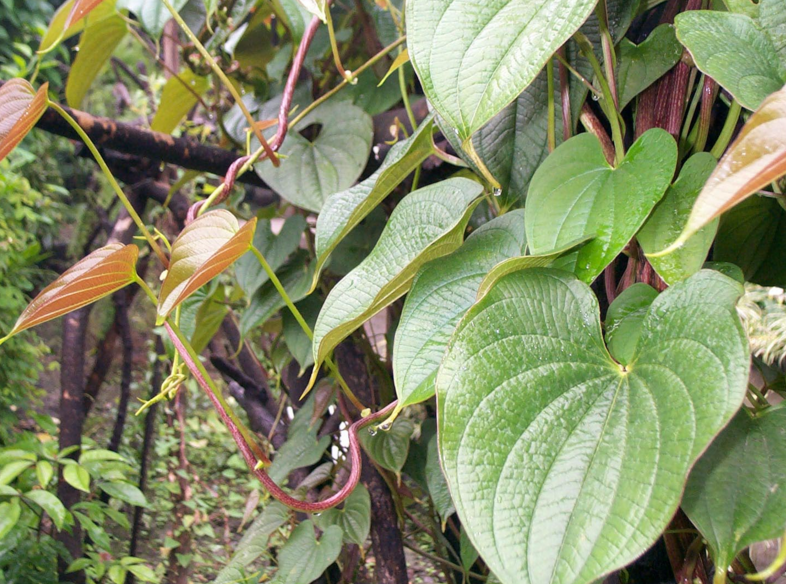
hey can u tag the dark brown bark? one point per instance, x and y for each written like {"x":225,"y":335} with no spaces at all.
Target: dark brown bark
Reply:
{"x":124,"y":329}
{"x":72,"y":379}
{"x":386,"y":542}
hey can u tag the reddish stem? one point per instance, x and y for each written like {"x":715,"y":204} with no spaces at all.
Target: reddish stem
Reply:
{"x":251,"y":459}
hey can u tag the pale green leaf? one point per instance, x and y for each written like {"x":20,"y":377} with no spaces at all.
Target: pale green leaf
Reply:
{"x":295,"y":276}
{"x":57,"y":30}
{"x":99,"y":40}
{"x":736,"y":494}
{"x":13,"y":469}
{"x":669,"y":217}
{"x":303,"y":558}
{"x":576,"y":194}
{"x":316,"y":7}
{"x":343,"y":211}
{"x":152,"y":14}
{"x":426,"y":224}
{"x":643,"y":64}
{"x":731,"y":49}
{"x":276,"y":249}
{"x":389,"y":448}
{"x":442,"y":291}
{"x":772,"y":18}
{"x":76,"y":476}
{"x":564,"y":465}
{"x":179,"y":96}
{"x":625,"y":318}
{"x":746,"y":7}
{"x":253,"y":544}
{"x":51,"y":504}
{"x":125,"y":492}
{"x":9,"y":515}
{"x":753,"y":236}
{"x":204,"y":249}
{"x":474,"y":58}
{"x":354,"y":517}
{"x":44,"y":472}
{"x":756,"y":158}
{"x":313,"y":170}
{"x":99,"y":455}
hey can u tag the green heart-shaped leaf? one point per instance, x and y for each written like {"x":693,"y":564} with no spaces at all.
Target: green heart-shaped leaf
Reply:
{"x":735,"y":52}
{"x":641,"y":65}
{"x":625,"y":318}
{"x":474,"y":58}
{"x":426,"y":224}
{"x":669,"y":218}
{"x":576,"y":194}
{"x":441,"y":293}
{"x":311,"y":171}
{"x":563,"y":464}
{"x":389,"y":448}
{"x":736,"y":494}
{"x":345,"y":210}
{"x":772,"y":18}
{"x":303,"y":558}
{"x":354,"y":518}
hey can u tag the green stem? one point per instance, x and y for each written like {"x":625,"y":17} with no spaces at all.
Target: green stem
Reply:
{"x":609,"y":56}
{"x":607,"y":101}
{"x":304,"y":325}
{"x":728,"y":130}
{"x":348,"y":76}
{"x":551,"y":129}
{"x":110,"y":177}
{"x":225,"y":80}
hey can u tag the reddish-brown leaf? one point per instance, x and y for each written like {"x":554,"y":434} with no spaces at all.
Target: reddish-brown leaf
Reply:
{"x":204,"y":249}
{"x":20,"y":108}
{"x":81,"y":9}
{"x":103,"y":272}
{"x":755,"y":159}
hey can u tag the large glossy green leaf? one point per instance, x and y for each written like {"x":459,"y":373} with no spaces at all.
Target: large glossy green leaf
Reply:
{"x":343,"y":211}
{"x":99,"y":40}
{"x":474,"y":58}
{"x":152,"y":14}
{"x":276,"y":249}
{"x":643,"y":64}
{"x":51,"y":504}
{"x":205,"y":248}
{"x":354,"y":517}
{"x":179,"y":95}
{"x":736,"y":494}
{"x":442,"y":291}
{"x":426,"y":224}
{"x":21,"y":106}
{"x":669,"y":218}
{"x":563,"y":464}
{"x":772,"y":18}
{"x":104,"y":271}
{"x":253,"y":544}
{"x":576,"y":194}
{"x":9,"y":515}
{"x":735,"y":52}
{"x":303,"y":559}
{"x":753,"y":236}
{"x":314,"y":170}
{"x":755,"y":159}
{"x":295,"y":276}
{"x":389,"y":448}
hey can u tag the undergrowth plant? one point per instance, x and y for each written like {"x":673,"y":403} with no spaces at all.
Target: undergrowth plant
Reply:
{"x":571,"y":221}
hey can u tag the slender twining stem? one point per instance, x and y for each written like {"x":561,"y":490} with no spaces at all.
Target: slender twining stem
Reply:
{"x":224,"y":80}
{"x":728,"y":130}
{"x":551,"y":122}
{"x":348,"y":76}
{"x":607,"y":44}
{"x":607,"y":101}
{"x":110,"y":177}
{"x":284,"y":112}
{"x":198,"y":370}
{"x":200,"y":374}
{"x":304,"y":325}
